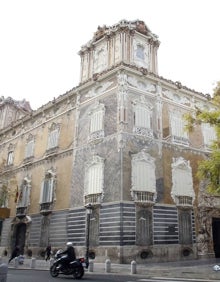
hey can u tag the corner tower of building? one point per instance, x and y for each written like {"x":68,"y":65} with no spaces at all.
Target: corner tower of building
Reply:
{"x":130,"y":42}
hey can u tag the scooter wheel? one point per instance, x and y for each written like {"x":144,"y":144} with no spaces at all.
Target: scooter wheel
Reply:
{"x":54,"y":272}
{"x":78,"y":272}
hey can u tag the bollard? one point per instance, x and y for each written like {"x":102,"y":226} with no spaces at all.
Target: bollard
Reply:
{"x":91,"y":264}
{"x":133,"y":267}
{"x":3,"y":272}
{"x":107,"y":266}
{"x":21,"y":259}
{"x":0,"y":260}
{"x":16,"y":262}
{"x":33,"y":263}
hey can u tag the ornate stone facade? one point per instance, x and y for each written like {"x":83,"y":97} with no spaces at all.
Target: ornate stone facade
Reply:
{"x":116,"y":142}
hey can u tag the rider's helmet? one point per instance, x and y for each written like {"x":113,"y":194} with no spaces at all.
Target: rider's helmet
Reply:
{"x":69,"y":244}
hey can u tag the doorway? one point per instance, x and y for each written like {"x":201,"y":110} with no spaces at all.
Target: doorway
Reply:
{"x":20,"y":236}
{"x":216,"y":236}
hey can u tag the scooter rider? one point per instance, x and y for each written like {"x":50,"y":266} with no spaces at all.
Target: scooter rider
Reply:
{"x":69,"y":254}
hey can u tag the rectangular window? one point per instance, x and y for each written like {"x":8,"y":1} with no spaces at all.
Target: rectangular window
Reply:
{"x":10,"y":158}
{"x":23,"y":196}
{"x":209,"y":134}
{"x":140,"y":52}
{"x":29,"y":150}
{"x":142,"y":117}
{"x":142,"y":176}
{"x":96,"y":123}
{"x":47,"y":191}
{"x":53,"y":139}
{"x":95,"y":179}
{"x":177,"y":127}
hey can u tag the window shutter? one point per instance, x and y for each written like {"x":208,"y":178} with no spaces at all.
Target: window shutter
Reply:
{"x":41,"y":192}
{"x":209,"y":133}
{"x":177,"y":126}
{"x":96,"y":123}
{"x":95,"y":176}
{"x":142,"y":117}
{"x":29,"y":149}
{"x":10,"y":158}
{"x":53,"y":139}
{"x":50,"y":190}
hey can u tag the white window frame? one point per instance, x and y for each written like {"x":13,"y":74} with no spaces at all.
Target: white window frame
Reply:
{"x":47,"y":188}
{"x":143,"y":60}
{"x":140,"y":52}
{"x":29,"y":150}
{"x":143,"y":173}
{"x":10,"y":158}
{"x":209,"y":134}
{"x":142,"y":111}
{"x":97,"y":121}
{"x":177,"y":126}
{"x":24,"y":194}
{"x":142,"y":116}
{"x":94,"y":176}
{"x":182,"y":179}
{"x":53,"y":136}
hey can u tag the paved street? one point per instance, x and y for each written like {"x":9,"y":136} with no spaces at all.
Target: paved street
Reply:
{"x":189,"y":270}
{"x":21,"y":275}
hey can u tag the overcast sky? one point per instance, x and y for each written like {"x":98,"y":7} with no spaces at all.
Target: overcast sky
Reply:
{"x":40,"y":41}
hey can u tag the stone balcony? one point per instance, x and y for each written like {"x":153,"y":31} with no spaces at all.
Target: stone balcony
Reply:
{"x":21,"y":212}
{"x":94,"y":199}
{"x":46,"y":208}
{"x":143,"y":197}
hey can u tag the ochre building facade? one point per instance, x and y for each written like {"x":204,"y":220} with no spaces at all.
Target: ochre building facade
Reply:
{"x":115,"y":143}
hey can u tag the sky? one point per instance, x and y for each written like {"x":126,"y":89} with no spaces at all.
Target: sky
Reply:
{"x":40,"y":41}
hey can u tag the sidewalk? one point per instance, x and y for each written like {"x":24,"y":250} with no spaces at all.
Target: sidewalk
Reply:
{"x":193,"y":269}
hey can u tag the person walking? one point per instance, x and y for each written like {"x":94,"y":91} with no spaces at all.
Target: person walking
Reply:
{"x":48,"y":252}
{"x":14,"y":254}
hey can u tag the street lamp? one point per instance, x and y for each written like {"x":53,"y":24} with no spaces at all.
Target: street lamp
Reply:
{"x":88,"y":217}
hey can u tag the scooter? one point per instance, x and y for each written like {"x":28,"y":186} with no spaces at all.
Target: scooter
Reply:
{"x":75,"y":268}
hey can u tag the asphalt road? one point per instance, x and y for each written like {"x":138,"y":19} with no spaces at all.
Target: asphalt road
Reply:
{"x":44,"y":276}
{"x":18,"y":275}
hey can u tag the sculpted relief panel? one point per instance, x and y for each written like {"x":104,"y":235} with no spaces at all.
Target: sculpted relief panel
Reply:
{"x":177,"y":97}
{"x":142,"y":85}
{"x":99,"y":89}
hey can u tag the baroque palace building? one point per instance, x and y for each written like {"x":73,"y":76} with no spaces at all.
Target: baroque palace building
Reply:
{"x":117,"y":143}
